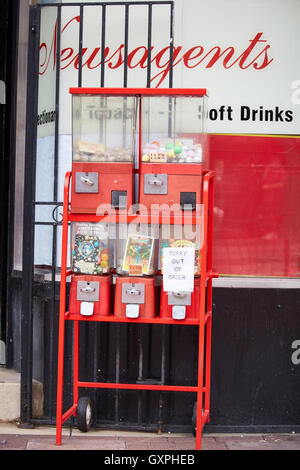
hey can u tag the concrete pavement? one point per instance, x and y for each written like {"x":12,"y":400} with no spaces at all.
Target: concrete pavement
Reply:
{"x":43,"y":438}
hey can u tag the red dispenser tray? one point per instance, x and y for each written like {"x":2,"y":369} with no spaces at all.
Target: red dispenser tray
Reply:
{"x":134,"y":297}
{"x":90,"y":295}
{"x":172,"y":184}
{"x":94,"y":184}
{"x":189,"y":303}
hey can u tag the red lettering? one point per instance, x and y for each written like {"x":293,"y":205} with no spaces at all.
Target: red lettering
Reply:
{"x":91,"y":58}
{"x":253,"y":56}
{"x":266,"y":60}
{"x":43,"y":46}
{"x":120,"y":60}
{"x":245,"y":55}
{"x":75,"y":18}
{"x":188,"y":56}
{"x":217,"y":56}
{"x":157,"y":60}
{"x":140,"y":61}
{"x":45,"y":64}
{"x":64,"y":53}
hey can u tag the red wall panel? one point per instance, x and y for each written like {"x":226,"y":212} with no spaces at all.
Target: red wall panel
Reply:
{"x":257,"y":204}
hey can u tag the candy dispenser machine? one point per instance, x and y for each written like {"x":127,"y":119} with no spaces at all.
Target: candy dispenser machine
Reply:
{"x":136,"y":260}
{"x":137,"y":249}
{"x":117,"y":256}
{"x":103,"y":151}
{"x":91,"y":263}
{"x":173,"y":149}
{"x":91,"y":248}
{"x":181,"y":305}
{"x":181,"y":236}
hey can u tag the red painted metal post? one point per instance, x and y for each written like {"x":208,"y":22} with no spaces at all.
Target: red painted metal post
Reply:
{"x":140,"y":136}
{"x":209,"y":299}
{"x":62,"y":307}
{"x":199,"y":421}
{"x":76,"y":364}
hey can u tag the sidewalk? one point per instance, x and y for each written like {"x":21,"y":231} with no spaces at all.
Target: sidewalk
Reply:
{"x":43,"y":438}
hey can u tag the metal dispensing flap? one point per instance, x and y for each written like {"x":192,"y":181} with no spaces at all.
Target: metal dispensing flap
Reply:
{"x":155,"y":184}
{"x":86,"y":182}
{"x":178,"y":312}
{"x":88,"y":291}
{"x":179,"y":298}
{"x":133,"y":293}
{"x":132,"y":310}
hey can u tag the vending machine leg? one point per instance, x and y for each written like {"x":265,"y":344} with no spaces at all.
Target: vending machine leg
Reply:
{"x":200,"y":415}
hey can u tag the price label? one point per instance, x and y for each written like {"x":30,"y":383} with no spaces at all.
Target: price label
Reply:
{"x":135,"y":269}
{"x":178,"y":274}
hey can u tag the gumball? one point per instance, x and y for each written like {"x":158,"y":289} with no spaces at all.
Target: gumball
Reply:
{"x":145,"y":158}
{"x":100,"y":148}
{"x":169,"y":146}
{"x":178,"y":148}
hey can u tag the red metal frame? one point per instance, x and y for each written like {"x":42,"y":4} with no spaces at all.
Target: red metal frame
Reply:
{"x":140,"y":91}
{"x":205,"y":317}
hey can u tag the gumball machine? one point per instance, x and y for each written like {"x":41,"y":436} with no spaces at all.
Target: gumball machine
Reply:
{"x":127,"y":248}
{"x":136,"y":260}
{"x":103,"y":150}
{"x":91,"y":263}
{"x":173,"y":150}
{"x":181,"y":305}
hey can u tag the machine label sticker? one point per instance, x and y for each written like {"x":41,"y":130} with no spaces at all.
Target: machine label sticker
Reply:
{"x":158,"y":157}
{"x":135,"y":269}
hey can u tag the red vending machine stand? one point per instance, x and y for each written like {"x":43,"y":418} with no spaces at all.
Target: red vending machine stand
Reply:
{"x":92,"y":274}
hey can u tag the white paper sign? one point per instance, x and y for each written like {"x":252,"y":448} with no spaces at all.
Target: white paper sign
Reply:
{"x":178,"y":273}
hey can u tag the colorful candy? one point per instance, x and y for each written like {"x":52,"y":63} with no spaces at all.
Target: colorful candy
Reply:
{"x":145,"y":157}
{"x":91,"y":152}
{"x":177,"y":148}
{"x":184,"y":151}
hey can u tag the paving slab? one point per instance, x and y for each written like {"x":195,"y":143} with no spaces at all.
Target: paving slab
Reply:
{"x":13,"y":442}
{"x":76,"y":443}
{"x":260,"y":442}
{"x":43,"y":438}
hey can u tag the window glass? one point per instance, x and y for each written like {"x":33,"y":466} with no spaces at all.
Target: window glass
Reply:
{"x":256,"y":216}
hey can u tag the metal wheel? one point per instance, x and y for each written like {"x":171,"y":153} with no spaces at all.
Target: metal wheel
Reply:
{"x":84,"y":414}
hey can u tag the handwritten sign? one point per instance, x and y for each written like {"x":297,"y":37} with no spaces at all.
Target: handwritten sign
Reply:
{"x":178,"y":275}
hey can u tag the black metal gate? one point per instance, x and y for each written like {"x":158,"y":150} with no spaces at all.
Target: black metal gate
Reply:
{"x":111,"y":352}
